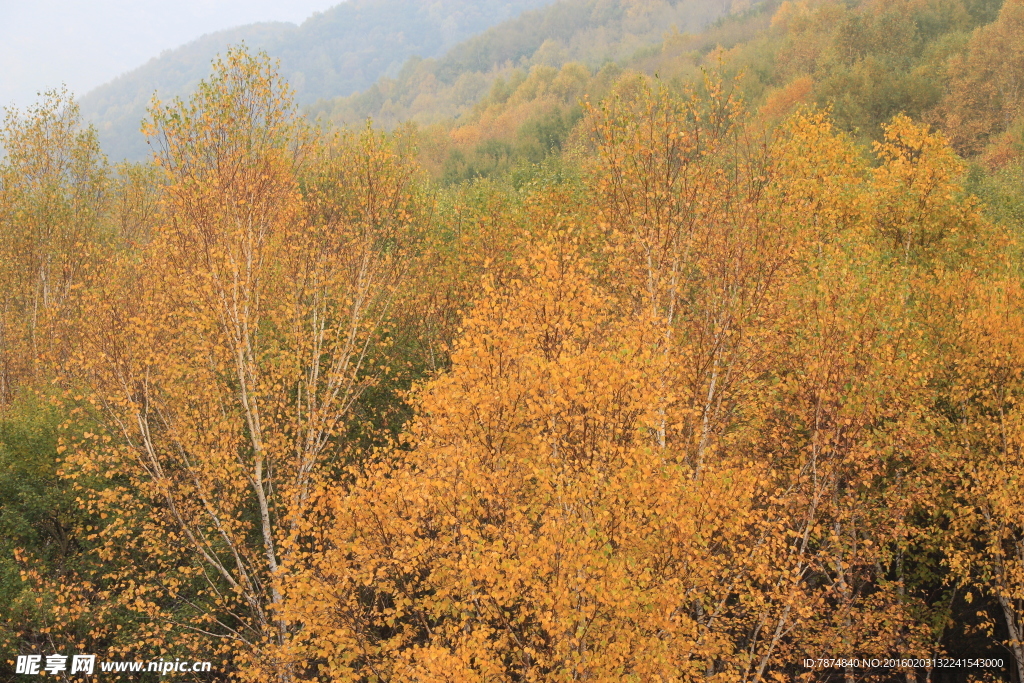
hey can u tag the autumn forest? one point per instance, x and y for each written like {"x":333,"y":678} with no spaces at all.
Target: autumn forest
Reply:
{"x":706,"y":363}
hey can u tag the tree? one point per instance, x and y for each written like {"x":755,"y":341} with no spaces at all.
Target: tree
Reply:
{"x":985,"y":95}
{"x":53,"y":200}
{"x":534,"y":532}
{"x":224,"y":360}
{"x":986,"y":544}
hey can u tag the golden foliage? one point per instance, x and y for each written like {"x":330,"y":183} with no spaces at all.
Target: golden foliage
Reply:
{"x":225,"y":356}
{"x":54,"y":182}
{"x":704,"y":405}
{"x":986,"y":91}
{"x":687,"y":441}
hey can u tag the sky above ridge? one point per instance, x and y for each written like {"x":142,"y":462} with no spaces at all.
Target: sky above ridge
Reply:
{"x":85,"y":43}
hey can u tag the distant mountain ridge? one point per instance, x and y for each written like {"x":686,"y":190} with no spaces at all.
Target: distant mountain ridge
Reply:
{"x":334,"y":53}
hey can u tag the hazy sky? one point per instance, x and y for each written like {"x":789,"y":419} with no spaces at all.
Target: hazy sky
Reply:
{"x":85,"y":43}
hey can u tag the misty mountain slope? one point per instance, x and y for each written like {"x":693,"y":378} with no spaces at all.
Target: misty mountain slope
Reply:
{"x":118,"y":107}
{"x":591,"y":32}
{"x":46,"y":43}
{"x":333,"y":53}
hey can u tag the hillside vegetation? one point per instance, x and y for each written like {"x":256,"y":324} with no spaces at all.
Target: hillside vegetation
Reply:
{"x":592,"y":33}
{"x":837,"y":56}
{"x":704,"y":361}
{"x":333,"y":53}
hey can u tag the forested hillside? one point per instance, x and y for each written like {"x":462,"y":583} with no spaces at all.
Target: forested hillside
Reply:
{"x":865,"y":62}
{"x":590,"y":32}
{"x":333,"y":53}
{"x":700,"y":358}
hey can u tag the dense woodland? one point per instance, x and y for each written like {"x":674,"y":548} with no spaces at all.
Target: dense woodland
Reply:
{"x":688,"y":366}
